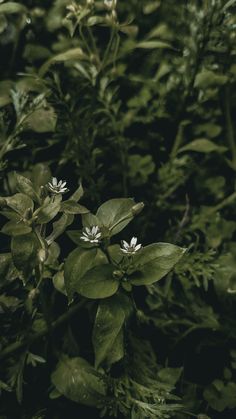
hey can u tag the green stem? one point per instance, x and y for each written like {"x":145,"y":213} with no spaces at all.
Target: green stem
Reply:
{"x":84,"y":40}
{"x":227,"y":201}
{"x":16,"y":346}
{"x":108,"y":48}
{"x":178,"y":139}
{"x":198,"y":60}
{"x":229,"y":125}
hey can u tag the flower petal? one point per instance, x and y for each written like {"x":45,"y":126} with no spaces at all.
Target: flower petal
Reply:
{"x":125,"y":244}
{"x":133,"y":241}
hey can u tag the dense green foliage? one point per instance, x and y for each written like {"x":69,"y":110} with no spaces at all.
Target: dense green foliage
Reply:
{"x":130,"y":103}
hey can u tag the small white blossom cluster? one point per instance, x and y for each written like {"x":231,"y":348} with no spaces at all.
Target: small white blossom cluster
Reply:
{"x":130,"y":248}
{"x":91,"y":235}
{"x":57,"y":187}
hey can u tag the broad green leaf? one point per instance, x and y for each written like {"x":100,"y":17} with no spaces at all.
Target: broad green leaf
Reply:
{"x":25,"y":186}
{"x":155,"y":261}
{"x":25,"y":253}
{"x":77,"y":380}
{"x":48,"y":210}
{"x":77,"y":264}
{"x":70,"y":55}
{"x":116,"y":352}
{"x":20,"y":203}
{"x":16,"y":228}
{"x":12,"y":7}
{"x":98,"y":282}
{"x":90,"y":220}
{"x":41,"y":174}
{"x":75,"y":236}
{"x":115,"y":253}
{"x":115,"y":214}
{"x":202,"y":145}
{"x":109,"y":320}
{"x":71,"y":207}
{"x":11,"y":215}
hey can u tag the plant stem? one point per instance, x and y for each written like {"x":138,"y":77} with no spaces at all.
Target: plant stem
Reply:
{"x":16,"y":346}
{"x":229,"y":125}
{"x":198,"y":60}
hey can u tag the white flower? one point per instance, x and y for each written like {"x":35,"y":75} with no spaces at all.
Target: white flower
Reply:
{"x":57,"y":187}
{"x":131,"y":248}
{"x":110,"y":4}
{"x":91,"y":235}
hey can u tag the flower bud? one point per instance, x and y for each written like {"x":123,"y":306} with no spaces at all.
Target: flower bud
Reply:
{"x":33,"y":293}
{"x":117,"y":274}
{"x":137,"y":208}
{"x":42,"y":255}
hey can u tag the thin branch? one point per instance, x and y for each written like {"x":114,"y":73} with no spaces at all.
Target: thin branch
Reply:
{"x":16,"y":346}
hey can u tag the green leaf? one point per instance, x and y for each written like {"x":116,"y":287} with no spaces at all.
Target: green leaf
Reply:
{"x":25,"y":253}
{"x":77,"y":380}
{"x":48,"y":210}
{"x":221,"y":396}
{"x":12,"y":7}
{"x":151,"y":7}
{"x":77,"y":264}
{"x":59,"y":227}
{"x":25,"y":186}
{"x":109,"y":320}
{"x":7,"y":269}
{"x":75,"y":236}
{"x":98,"y":282}
{"x":90,"y":220}
{"x":229,"y":4}
{"x":115,"y":214}
{"x":170,"y":375}
{"x":41,"y":174}
{"x":202,"y":145}
{"x":71,"y":207}
{"x":154,"y":45}
{"x":77,"y":195}
{"x":116,"y":352}
{"x":20,"y":203}
{"x":59,"y":282}
{"x":70,"y":55}
{"x":208,"y":78}
{"x":155,"y":261}
{"x":13,"y":228}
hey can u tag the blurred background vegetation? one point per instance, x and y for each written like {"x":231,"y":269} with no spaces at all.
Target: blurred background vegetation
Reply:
{"x":136,"y":101}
